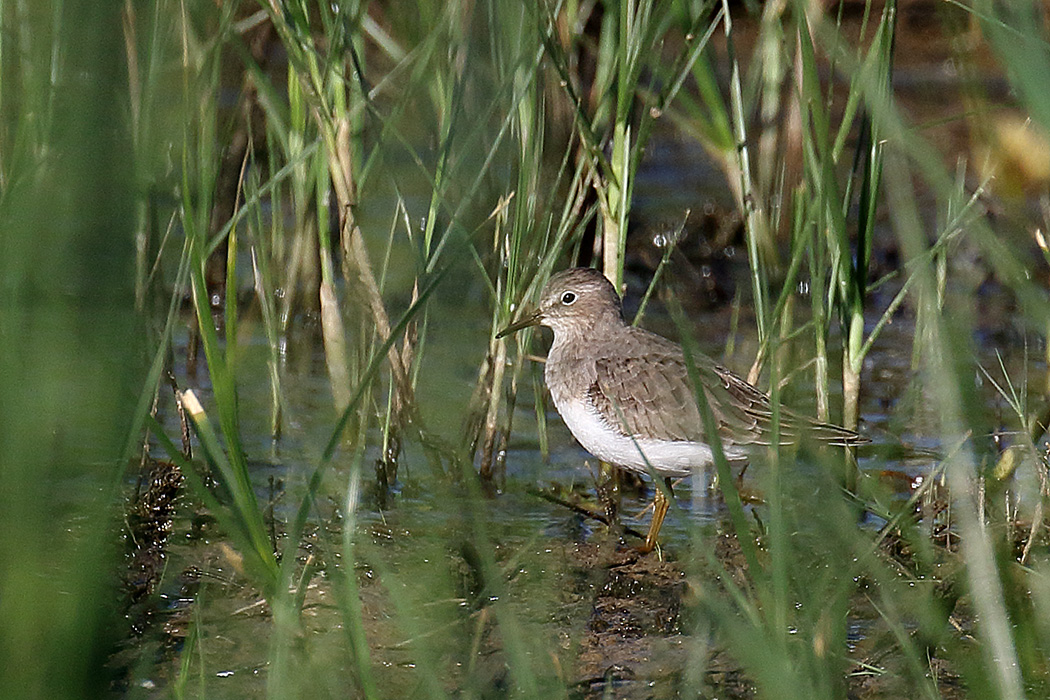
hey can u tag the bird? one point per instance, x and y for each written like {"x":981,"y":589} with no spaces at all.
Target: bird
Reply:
{"x":626,"y":395}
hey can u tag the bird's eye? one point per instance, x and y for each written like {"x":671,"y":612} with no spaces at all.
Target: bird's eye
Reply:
{"x":568,"y":298}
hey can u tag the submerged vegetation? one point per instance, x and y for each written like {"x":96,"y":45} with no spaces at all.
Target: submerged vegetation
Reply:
{"x":260,"y":436}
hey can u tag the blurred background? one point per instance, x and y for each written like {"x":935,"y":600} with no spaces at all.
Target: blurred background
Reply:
{"x":258,"y":437}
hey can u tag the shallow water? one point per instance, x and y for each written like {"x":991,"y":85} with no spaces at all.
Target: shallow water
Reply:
{"x":417,"y":553}
{"x":427,"y":610}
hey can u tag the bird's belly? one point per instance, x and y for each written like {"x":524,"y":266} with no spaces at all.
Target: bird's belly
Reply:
{"x":666,"y":457}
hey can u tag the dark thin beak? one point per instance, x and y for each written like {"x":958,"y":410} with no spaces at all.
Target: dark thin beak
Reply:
{"x":532,"y":319}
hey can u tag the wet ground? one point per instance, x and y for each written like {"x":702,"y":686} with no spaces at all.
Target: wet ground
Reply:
{"x":618,"y":624}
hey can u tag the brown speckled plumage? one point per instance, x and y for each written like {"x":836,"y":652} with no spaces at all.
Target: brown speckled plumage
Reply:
{"x":626,"y":394}
{"x":639,"y":382}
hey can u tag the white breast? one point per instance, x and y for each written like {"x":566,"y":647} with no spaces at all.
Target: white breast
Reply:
{"x":678,"y":458}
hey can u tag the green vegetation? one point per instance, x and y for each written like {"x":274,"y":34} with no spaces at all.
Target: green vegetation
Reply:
{"x":259,"y":180}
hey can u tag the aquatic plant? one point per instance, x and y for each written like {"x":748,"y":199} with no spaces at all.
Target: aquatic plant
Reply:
{"x":258,"y":181}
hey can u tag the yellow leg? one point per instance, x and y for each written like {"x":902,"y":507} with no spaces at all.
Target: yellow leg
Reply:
{"x":660,"y":506}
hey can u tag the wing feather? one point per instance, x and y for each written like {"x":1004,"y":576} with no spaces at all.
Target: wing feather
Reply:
{"x":652,"y":395}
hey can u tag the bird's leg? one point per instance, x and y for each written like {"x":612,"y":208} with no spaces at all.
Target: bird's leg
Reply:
{"x":660,"y":506}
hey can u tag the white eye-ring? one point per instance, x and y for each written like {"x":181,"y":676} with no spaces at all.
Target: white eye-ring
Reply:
{"x":568,"y":298}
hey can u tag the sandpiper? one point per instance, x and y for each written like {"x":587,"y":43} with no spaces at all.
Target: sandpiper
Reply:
{"x":626,"y":395}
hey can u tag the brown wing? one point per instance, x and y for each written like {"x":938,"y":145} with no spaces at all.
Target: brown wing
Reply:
{"x":758,"y":408}
{"x":646,"y":396}
{"x":652,"y":395}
